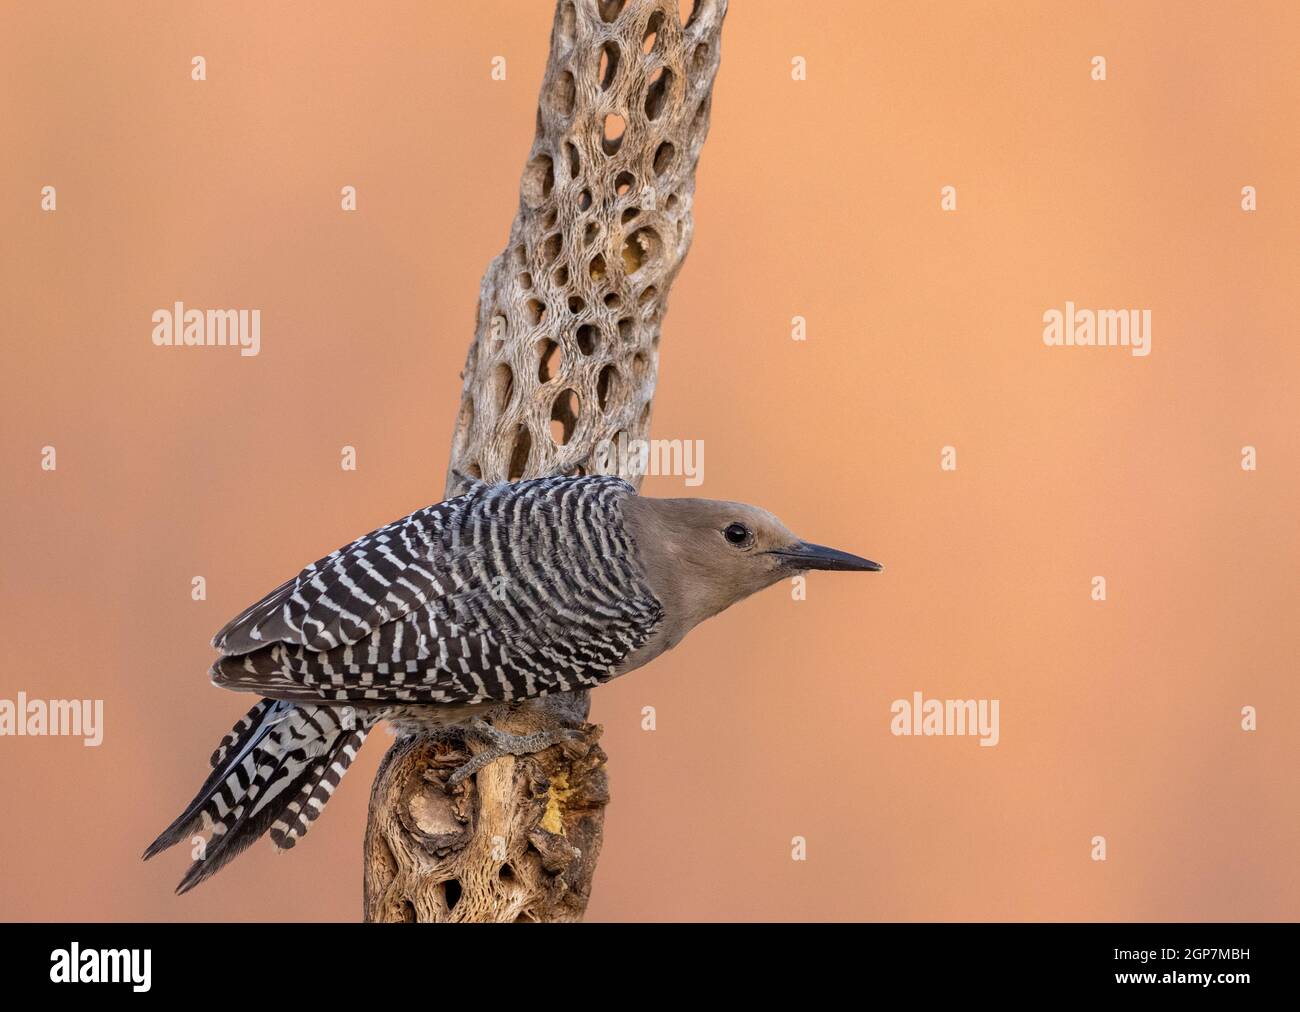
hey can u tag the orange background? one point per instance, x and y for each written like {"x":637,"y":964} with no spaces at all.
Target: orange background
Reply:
{"x":818,"y":199}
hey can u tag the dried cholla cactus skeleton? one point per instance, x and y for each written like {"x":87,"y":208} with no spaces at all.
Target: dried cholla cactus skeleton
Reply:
{"x":562,"y":365}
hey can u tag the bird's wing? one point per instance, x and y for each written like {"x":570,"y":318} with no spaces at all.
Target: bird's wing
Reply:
{"x":341,"y":599}
{"x":507,"y":592}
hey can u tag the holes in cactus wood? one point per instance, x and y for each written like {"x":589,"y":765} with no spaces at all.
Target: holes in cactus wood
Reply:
{"x":611,"y":135}
{"x":576,"y":304}
{"x":597,"y":268}
{"x":525,"y":280}
{"x":587,"y":337}
{"x":523,"y":445}
{"x":624,"y":182}
{"x":639,"y":365}
{"x":551,"y":248}
{"x":613,"y":300}
{"x":609,"y":9}
{"x":548,"y":359}
{"x":564,"y":92}
{"x":551,"y":217}
{"x":651,"y":35}
{"x":560,"y":276}
{"x":630,"y":215}
{"x":633,"y":257}
{"x":536,"y":310}
{"x":564,"y":416}
{"x":503,"y":384}
{"x":626,"y":329}
{"x":699,"y":59}
{"x":606,"y":385}
{"x":539,"y":180}
{"x":641,"y":247}
{"x":589,"y":233}
{"x":656,"y":96}
{"x":664,"y":156}
{"x":647,"y":295}
{"x":584,"y":200}
{"x":451,"y":893}
{"x":575,"y":160}
{"x":608,"y":68}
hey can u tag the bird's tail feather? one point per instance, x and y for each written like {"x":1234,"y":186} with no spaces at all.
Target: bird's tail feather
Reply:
{"x":275,"y":769}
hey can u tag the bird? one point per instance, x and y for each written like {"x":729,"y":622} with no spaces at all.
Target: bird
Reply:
{"x":504,"y":592}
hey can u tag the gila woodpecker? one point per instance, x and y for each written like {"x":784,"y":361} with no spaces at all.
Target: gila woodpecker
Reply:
{"x":505,"y":592}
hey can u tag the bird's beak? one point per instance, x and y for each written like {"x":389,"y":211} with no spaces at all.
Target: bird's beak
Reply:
{"x":802,"y":555}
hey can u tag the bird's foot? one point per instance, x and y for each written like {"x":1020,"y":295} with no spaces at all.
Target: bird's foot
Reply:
{"x":503,"y":743}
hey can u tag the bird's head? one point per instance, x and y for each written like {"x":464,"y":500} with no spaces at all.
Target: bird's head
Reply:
{"x":708,"y":554}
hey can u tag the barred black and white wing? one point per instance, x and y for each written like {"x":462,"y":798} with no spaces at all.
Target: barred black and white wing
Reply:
{"x":344,"y":597}
{"x":504,"y":593}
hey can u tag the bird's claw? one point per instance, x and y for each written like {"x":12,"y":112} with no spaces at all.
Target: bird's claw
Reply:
{"x":503,"y":743}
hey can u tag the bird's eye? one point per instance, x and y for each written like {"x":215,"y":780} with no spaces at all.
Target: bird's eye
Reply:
{"x":738,"y":535}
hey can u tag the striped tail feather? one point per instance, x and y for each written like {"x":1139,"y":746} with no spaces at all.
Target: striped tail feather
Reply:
{"x":249,"y":731}
{"x":275,"y":769}
{"x":296,"y":817}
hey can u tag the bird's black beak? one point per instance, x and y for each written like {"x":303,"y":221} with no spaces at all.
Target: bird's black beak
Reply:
{"x":802,"y":555}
